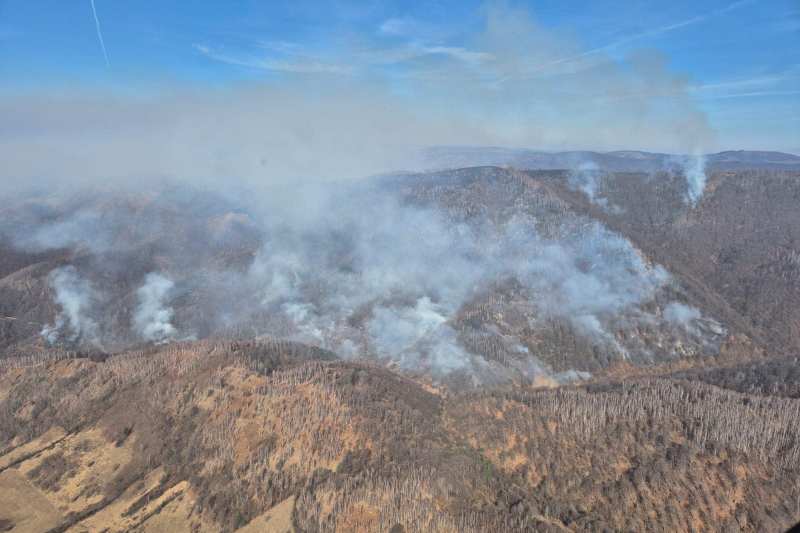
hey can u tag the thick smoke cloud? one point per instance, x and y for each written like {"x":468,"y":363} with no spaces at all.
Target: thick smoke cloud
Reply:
{"x":589,"y":278}
{"x":76,"y":298}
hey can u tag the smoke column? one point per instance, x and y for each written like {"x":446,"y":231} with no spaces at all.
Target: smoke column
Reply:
{"x":695,"y":171}
{"x":153,"y":319}
{"x":75,"y":297}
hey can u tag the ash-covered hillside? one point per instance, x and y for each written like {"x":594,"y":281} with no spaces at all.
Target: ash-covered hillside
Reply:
{"x":480,"y":349}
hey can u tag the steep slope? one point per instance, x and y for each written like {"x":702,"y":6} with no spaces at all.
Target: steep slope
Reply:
{"x":559,"y":211}
{"x":739,"y":245}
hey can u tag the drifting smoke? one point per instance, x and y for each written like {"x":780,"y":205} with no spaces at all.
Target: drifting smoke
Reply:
{"x":75,"y":297}
{"x":152,"y":319}
{"x":99,"y":33}
{"x":70,"y":232}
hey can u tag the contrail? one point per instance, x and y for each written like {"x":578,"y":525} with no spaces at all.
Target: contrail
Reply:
{"x":99,"y":33}
{"x":652,"y":32}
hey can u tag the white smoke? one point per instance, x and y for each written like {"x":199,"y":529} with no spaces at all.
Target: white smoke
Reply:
{"x":75,"y":296}
{"x":590,"y":278}
{"x":415,"y":334}
{"x":152,"y":319}
{"x":365,"y":273}
{"x":394,"y":277}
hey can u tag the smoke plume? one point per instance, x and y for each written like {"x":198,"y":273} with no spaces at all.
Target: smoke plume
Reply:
{"x":695,"y":172}
{"x":152,"y":319}
{"x":75,"y":297}
{"x":586,"y":178}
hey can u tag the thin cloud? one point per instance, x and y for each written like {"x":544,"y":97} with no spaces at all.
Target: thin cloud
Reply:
{"x":752,"y":94}
{"x":304,"y":65}
{"x":412,"y":51}
{"x":780,"y":84}
{"x":747,"y":82}
{"x":397,"y":26}
{"x":719,"y":90}
{"x":293,"y":59}
{"x":653,"y":32}
{"x":457,"y":52}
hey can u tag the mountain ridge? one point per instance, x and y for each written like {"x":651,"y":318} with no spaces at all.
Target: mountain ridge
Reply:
{"x":618,"y":160}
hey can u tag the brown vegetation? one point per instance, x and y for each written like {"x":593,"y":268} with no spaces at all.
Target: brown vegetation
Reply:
{"x":230,"y":430}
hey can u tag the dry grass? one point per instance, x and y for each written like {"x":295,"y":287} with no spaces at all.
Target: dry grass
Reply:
{"x":25,"y":506}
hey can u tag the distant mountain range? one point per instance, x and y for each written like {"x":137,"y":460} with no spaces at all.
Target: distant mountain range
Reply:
{"x":619,"y":161}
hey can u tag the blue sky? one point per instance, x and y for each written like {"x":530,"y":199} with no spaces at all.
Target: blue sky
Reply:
{"x":736,"y":62}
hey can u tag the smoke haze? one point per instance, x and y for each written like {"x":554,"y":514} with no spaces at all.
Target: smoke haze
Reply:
{"x":250,"y":196}
{"x":360,"y":271}
{"x":519,"y":85}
